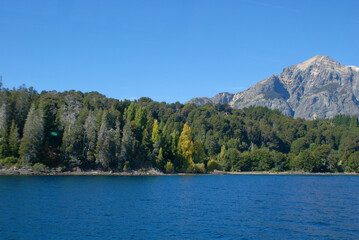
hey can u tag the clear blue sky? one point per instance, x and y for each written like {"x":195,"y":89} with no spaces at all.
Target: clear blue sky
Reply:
{"x":168,"y":50}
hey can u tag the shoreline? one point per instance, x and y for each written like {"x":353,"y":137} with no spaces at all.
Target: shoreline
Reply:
{"x":155,"y":172}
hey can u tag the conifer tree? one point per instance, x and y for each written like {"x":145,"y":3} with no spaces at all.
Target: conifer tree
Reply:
{"x":354,"y":122}
{"x":3,"y":131}
{"x":73,"y":143}
{"x":14,"y":140}
{"x":127,"y":143}
{"x":174,"y":142}
{"x":141,"y":118}
{"x":155,"y":137}
{"x":72,"y":117}
{"x":30,"y":145}
{"x":130,"y":112}
{"x":106,"y":145}
{"x":160,"y":159}
{"x":90,"y":140}
{"x":146,"y":144}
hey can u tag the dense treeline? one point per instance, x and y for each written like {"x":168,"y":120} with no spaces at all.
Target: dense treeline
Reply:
{"x":73,"y":130}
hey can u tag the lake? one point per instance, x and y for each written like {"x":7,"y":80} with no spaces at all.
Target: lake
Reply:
{"x":179,"y":207}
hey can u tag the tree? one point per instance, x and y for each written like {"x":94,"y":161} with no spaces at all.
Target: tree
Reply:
{"x":169,"y":167}
{"x":307,"y":161}
{"x":321,"y":155}
{"x":213,"y":165}
{"x":185,"y":148}
{"x":185,"y":144}
{"x":299,"y":145}
{"x":3,"y":131}
{"x":106,"y":144}
{"x":71,"y":120}
{"x":126,"y":145}
{"x":352,"y":164}
{"x":155,"y":137}
{"x":33,"y":137}
{"x":72,"y":143}
{"x":140,"y":119}
{"x":160,"y":159}
{"x":90,"y":140}
{"x":354,"y":122}
{"x":14,"y":140}
{"x":130,"y":112}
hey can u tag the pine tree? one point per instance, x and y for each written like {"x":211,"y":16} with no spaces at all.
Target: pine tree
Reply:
{"x":174,"y":142}
{"x":146,"y":145}
{"x":160,"y":159}
{"x":127,"y":143}
{"x":14,"y":140}
{"x":155,"y":137}
{"x":140,"y":118}
{"x":72,"y":143}
{"x":3,"y":131}
{"x":354,"y":122}
{"x":30,"y":145}
{"x":72,"y":119}
{"x":90,"y":140}
{"x":130,"y":112}
{"x":106,"y":145}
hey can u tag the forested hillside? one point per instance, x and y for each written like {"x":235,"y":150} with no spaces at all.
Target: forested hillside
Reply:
{"x":71,"y":130}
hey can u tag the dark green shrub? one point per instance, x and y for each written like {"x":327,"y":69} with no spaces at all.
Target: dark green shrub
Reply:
{"x":39,"y":167}
{"x":9,"y":162}
{"x":196,"y":168}
{"x":213,"y":165}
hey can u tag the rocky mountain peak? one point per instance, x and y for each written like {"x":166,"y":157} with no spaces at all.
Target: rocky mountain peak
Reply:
{"x":317,"y":64}
{"x":317,"y":88}
{"x":317,"y":60}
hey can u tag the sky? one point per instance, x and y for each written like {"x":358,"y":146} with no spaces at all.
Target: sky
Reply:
{"x":168,"y":50}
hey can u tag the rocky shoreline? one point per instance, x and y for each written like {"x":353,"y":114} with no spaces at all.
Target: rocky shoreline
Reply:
{"x":151,"y":172}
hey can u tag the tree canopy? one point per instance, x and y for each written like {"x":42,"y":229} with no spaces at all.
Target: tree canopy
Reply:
{"x":72,"y":130}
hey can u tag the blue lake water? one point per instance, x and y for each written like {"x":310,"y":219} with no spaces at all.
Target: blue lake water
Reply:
{"x":179,"y":207}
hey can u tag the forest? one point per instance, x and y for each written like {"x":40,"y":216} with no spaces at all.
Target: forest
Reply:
{"x":73,"y":130}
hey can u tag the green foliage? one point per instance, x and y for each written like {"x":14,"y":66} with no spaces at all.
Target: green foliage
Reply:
{"x":8,"y":162}
{"x":352,"y":164}
{"x":155,"y":137}
{"x":39,"y":167}
{"x":127,"y":146}
{"x":299,"y":145}
{"x":95,"y":132}
{"x":160,"y":159}
{"x":213,"y":165}
{"x":196,"y":168}
{"x":3,"y":130}
{"x":126,"y":166}
{"x":107,"y":142}
{"x":33,"y":137}
{"x":307,"y":161}
{"x":14,"y":139}
{"x":169,"y":167}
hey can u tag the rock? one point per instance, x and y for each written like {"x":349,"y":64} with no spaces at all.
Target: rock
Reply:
{"x":317,"y":88}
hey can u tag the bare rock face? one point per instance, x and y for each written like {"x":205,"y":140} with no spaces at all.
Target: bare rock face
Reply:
{"x":219,"y":98}
{"x":317,"y":88}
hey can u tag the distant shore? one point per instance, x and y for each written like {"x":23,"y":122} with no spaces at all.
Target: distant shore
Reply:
{"x":154,"y":172}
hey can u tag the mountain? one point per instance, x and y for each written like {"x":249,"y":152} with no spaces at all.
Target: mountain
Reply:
{"x":317,"y":88}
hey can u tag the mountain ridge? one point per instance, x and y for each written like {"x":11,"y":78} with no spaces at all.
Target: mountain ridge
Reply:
{"x":319,"y":87}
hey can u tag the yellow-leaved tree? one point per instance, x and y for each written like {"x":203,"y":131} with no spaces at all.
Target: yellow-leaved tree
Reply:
{"x":185,"y":143}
